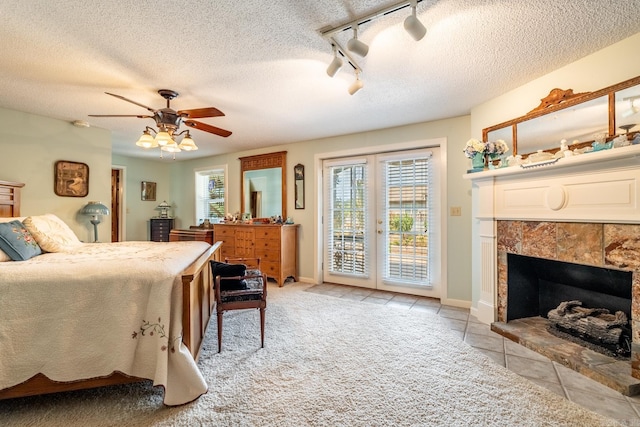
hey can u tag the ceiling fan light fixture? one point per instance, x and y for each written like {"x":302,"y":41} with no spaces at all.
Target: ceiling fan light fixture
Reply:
{"x":187,"y":144}
{"x":356,"y":46}
{"x":163,"y":138}
{"x":146,"y":140}
{"x":171,"y":147}
{"x":413,"y":26}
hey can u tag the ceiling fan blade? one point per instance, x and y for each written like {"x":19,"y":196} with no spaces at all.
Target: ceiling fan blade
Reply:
{"x":121,"y":115}
{"x":207,"y":128}
{"x":133,"y":102}
{"x":198,"y":113}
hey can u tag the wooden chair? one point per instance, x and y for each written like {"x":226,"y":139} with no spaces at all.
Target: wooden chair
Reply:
{"x":229,"y":297}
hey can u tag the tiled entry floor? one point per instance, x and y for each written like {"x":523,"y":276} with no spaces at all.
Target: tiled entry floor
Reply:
{"x":526,"y":363}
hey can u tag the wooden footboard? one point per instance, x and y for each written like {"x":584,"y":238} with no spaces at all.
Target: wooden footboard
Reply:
{"x":198,"y":302}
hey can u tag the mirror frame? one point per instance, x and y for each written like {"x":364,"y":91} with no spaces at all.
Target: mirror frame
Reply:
{"x":559,"y":100}
{"x":298,"y":177}
{"x":265,"y":161}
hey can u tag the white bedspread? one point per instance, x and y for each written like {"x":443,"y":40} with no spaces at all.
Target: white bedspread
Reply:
{"x":98,"y":309}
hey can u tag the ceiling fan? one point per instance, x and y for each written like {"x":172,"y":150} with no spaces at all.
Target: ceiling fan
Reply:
{"x":169,"y":120}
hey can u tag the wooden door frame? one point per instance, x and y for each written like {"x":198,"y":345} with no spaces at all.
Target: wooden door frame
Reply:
{"x":120,"y":215}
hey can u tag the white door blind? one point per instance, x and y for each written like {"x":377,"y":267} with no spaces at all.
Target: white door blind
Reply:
{"x":347,"y":241}
{"x":407,"y":206}
{"x":210,"y":195}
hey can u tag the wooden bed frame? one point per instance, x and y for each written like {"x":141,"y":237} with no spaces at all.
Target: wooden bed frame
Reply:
{"x":197,"y":305}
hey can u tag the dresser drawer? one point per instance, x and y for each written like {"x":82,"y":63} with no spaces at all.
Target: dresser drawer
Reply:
{"x":271,"y":269}
{"x":223,"y":232}
{"x":269,"y":233}
{"x":268,"y":255}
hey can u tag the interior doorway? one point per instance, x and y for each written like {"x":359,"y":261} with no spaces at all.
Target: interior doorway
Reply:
{"x":117,"y":203}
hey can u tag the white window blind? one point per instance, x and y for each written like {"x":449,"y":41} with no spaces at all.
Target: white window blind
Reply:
{"x":347,"y":241}
{"x":210,"y":195}
{"x":407,"y":206}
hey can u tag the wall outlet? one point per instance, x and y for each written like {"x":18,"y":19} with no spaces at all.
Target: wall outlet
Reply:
{"x":456,"y":211}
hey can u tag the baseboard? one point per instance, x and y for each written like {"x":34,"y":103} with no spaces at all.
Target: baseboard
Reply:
{"x":455,"y":303}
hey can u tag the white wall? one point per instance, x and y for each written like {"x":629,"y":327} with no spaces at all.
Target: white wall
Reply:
{"x":30,"y":146}
{"x":456,"y":132}
{"x":604,"y":68}
{"x":138,"y":211}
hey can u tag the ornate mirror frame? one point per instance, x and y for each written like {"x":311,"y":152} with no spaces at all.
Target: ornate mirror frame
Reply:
{"x":557,"y":101}
{"x":264,"y":161}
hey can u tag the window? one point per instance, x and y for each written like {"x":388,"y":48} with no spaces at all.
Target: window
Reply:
{"x":211,"y":194}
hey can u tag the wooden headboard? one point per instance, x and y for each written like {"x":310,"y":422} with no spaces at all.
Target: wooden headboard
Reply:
{"x":10,"y":198}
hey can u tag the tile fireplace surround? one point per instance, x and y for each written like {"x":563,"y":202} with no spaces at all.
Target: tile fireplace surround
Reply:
{"x":584,"y":210}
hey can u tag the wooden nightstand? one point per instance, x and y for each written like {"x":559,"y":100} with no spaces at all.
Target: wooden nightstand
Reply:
{"x":160,"y":228}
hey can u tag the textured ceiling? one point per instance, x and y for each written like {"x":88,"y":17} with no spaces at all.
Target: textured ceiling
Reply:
{"x":263,"y":62}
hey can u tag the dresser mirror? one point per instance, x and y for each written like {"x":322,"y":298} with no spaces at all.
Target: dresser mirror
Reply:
{"x":263,"y":185}
{"x":577,"y":118}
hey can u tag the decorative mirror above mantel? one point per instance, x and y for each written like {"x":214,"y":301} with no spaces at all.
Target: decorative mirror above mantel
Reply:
{"x":577,"y":118}
{"x":263,"y":186}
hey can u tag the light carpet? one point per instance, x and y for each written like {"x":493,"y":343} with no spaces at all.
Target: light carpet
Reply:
{"x":326,"y":362}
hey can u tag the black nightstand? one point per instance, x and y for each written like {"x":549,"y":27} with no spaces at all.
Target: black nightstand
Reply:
{"x":160,"y":228}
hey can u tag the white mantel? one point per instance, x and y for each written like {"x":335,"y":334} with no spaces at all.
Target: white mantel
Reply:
{"x":603,"y":186}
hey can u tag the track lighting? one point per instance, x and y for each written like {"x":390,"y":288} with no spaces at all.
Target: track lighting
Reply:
{"x":412,"y":24}
{"x":336,"y":64}
{"x":357,"y":85}
{"x":355,"y":45}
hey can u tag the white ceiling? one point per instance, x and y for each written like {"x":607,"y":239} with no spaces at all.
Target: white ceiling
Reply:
{"x":263,"y":62}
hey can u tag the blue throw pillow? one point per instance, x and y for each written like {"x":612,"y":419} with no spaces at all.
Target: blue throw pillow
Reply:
{"x":17,"y":242}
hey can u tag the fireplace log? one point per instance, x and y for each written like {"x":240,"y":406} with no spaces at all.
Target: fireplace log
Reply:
{"x":594,"y":324}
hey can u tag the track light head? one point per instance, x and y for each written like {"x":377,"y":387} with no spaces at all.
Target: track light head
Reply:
{"x":356,"y":46}
{"x":357,"y":85}
{"x":335,"y":65}
{"x":413,"y":26}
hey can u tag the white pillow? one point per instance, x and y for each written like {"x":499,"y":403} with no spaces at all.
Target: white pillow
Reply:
{"x":51,"y":233}
{"x":3,"y":255}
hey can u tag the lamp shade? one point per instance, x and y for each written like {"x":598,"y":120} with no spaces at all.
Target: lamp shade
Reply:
{"x":147,"y":141}
{"x":94,"y":209}
{"x":163,"y":138}
{"x":187,"y":144}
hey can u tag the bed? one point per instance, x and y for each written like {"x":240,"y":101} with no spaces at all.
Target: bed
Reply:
{"x":88,"y":316}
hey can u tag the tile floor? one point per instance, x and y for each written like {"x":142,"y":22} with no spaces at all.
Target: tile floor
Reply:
{"x":527,"y":363}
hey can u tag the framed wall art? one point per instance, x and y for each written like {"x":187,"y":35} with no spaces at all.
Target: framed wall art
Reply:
{"x":148,"y":191}
{"x":71,"y":179}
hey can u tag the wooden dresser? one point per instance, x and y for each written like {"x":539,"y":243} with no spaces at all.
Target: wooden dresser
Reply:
{"x":275,"y":245}
{"x":160,"y":228}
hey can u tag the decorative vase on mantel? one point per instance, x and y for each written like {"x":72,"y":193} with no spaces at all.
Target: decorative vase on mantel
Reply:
{"x":491,"y":158}
{"x":477,"y":162}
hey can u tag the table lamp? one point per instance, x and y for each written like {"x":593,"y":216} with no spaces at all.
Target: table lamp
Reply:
{"x":95,"y":209}
{"x":164,"y":209}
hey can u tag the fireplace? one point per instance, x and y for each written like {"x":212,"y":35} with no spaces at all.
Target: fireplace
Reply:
{"x":582,"y":212}
{"x":537,"y":285}
{"x":542,"y":264}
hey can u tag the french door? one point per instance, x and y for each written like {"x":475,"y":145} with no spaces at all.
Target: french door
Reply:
{"x":381,"y":221}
